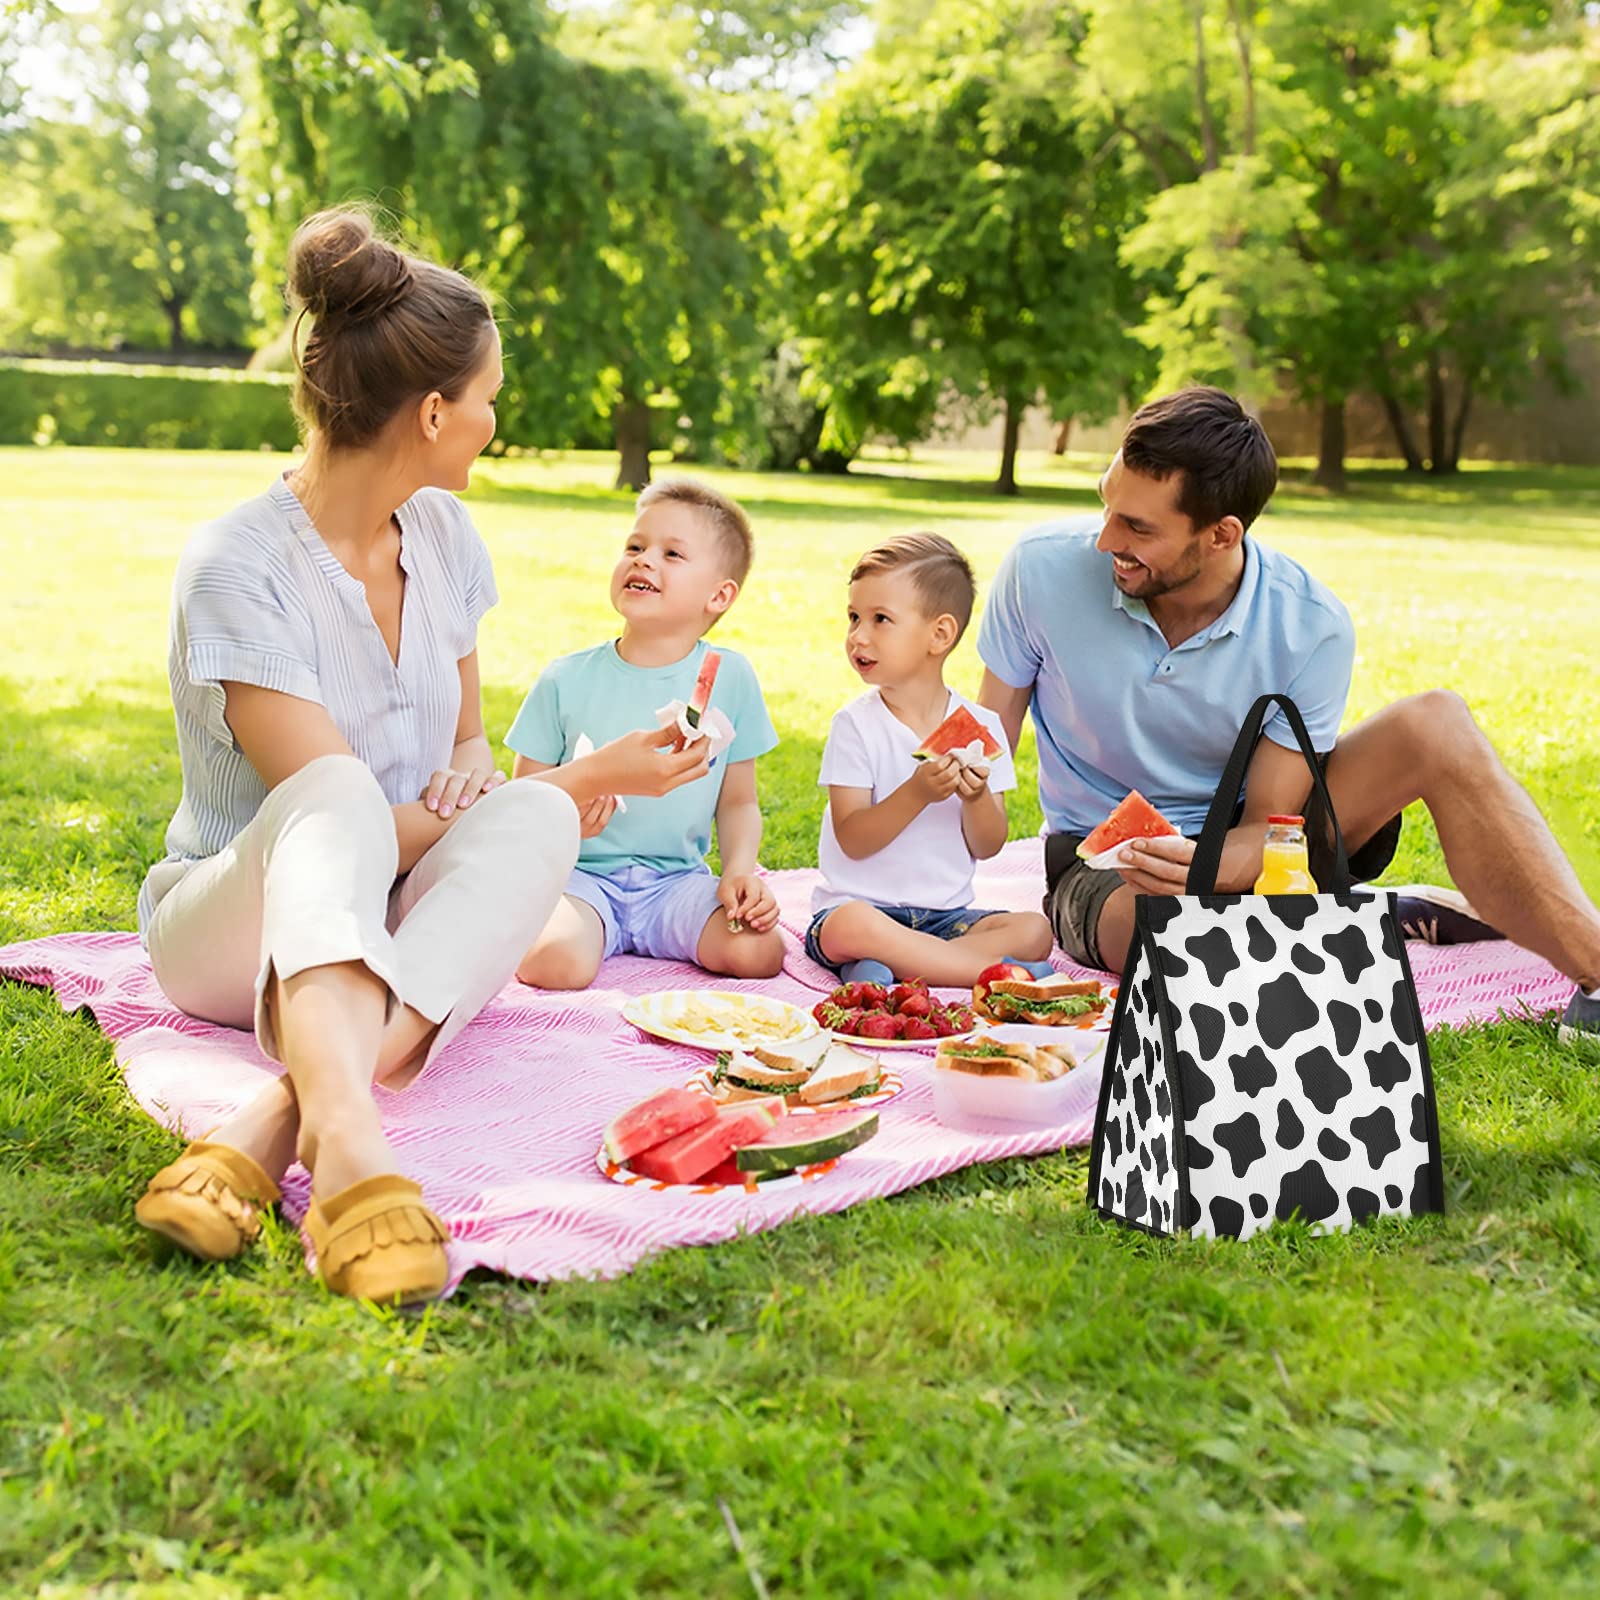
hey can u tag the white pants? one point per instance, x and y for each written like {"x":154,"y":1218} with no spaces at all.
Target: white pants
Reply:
{"x":311,"y":882}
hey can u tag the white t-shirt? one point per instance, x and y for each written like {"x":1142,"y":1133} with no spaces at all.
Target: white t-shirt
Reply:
{"x":929,"y":865}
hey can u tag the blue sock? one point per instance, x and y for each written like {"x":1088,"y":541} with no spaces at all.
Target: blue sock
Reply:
{"x":1039,"y":969}
{"x":866,"y":971}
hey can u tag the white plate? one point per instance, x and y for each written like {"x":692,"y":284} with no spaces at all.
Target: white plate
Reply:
{"x":889,"y":1085}
{"x":718,"y":1019}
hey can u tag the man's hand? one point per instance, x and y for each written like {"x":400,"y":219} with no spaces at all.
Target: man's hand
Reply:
{"x":1156,"y":866}
{"x":935,"y":779}
{"x":972,"y":782}
{"x":449,"y":790}
{"x":748,"y":901}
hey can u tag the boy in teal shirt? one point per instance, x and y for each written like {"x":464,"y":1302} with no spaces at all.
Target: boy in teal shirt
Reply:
{"x":642,"y":885}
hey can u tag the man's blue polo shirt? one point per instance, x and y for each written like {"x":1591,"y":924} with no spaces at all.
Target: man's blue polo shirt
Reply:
{"x":1115,"y":709}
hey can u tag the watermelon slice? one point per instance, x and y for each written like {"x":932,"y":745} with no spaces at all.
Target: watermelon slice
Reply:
{"x":958,"y":731}
{"x":701,"y":697}
{"x":726,"y":1172}
{"x":663,"y":1116}
{"x":692,"y":1155}
{"x":1135,"y":818}
{"x":802,"y":1142}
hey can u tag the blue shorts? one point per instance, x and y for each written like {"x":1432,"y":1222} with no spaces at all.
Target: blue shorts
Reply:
{"x":936,"y":924}
{"x":650,"y":913}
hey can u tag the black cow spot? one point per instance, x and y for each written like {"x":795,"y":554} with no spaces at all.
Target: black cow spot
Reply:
{"x":1172,"y":964}
{"x":1163,"y":1098}
{"x":1119,"y":1192}
{"x":1263,"y":947}
{"x":1242,"y":1140}
{"x":1108,"y":1198}
{"x":1422,"y":1191}
{"x":1144,"y":1156}
{"x":1307,"y":1191}
{"x":1210,"y":1028}
{"x":1349,"y":948}
{"x":1149,"y":1051}
{"x":1158,"y":1149}
{"x":1307,"y":960}
{"x":1213,"y":949}
{"x":1238,"y":1013}
{"x":1326,"y":1083}
{"x":1191,"y":1211}
{"x":1160,"y":910}
{"x":1129,"y":1044}
{"x":1130,"y":1134}
{"x":1375,"y":1010}
{"x":1400,"y":1014}
{"x":1253,"y":1071}
{"x":1290,"y":1129}
{"x":1134,"y":1206}
{"x":1283,"y":1009}
{"x":1391,"y":1193}
{"x":1346,"y":1022}
{"x":1141,"y":1100}
{"x":1227,"y":1217}
{"x":1331,"y":1145}
{"x":1363,"y":1203}
{"x":1388,"y":1067}
{"x":1197,"y":1088}
{"x":1258,"y":1205}
{"x":1220,"y":903}
{"x":1419,"y":1118}
{"x":1292,"y":910}
{"x":1197,"y":1155}
{"x":1391,"y":939}
{"x":1377,"y":1132}
{"x":1114,"y":1138}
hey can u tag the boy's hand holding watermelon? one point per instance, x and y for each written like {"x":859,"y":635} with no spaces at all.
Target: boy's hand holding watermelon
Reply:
{"x":935,"y":780}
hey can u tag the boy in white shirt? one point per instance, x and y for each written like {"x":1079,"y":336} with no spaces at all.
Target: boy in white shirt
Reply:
{"x":900,"y":837}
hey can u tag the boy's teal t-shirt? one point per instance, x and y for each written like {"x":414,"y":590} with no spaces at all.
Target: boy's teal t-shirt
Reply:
{"x":598,"y":693}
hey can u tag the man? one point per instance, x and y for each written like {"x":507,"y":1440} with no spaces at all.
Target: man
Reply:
{"x":1141,"y":644}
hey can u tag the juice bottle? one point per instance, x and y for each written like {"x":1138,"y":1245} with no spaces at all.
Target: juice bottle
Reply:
{"x":1285,"y":868}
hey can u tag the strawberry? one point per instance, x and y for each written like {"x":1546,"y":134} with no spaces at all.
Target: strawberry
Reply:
{"x":961,"y":1016}
{"x":874,"y":997}
{"x":915,"y":1004}
{"x":844,"y":995}
{"x":917,"y":1028}
{"x":879,"y":1025}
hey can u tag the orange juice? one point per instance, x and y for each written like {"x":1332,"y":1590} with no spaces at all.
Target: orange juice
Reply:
{"x":1285,"y":866}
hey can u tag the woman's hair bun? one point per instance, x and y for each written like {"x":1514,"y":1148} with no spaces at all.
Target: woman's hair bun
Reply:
{"x":340,"y":268}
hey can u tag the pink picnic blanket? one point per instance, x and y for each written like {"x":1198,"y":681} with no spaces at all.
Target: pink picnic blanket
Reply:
{"x":504,"y":1128}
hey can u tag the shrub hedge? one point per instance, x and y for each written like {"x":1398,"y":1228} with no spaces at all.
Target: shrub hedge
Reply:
{"x":183,"y":408}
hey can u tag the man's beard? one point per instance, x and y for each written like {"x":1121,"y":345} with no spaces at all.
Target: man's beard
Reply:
{"x":1151,"y":584}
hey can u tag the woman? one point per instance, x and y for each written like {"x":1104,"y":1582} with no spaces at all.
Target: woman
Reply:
{"x":346,"y":871}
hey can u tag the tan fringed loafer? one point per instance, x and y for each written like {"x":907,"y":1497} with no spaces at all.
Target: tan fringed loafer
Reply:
{"x":377,"y":1241}
{"x":208,"y":1201}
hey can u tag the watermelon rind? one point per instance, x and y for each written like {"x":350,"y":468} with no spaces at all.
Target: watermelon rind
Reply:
{"x":701,"y":698}
{"x":663,"y":1116}
{"x":1133,"y":817}
{"x":783,"y":1154}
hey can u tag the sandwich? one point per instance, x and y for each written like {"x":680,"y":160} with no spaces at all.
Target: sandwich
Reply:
{"x":843,"y":1074}
{"x":747,"y":1076}
{"x":1003,"y":1058}
{"x":1046,"y":1002}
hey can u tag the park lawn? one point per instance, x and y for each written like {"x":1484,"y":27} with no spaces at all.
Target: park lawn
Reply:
{"x":972,"y":1389}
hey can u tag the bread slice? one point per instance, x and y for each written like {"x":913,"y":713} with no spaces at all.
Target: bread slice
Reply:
{"x":1051,"y":1003}
{"x":749,"y":1068}
{"x":1059,"y":986}
{"x":802,"y":1057}
{"x":842,"y":1072}
{"x":984,"y":1057}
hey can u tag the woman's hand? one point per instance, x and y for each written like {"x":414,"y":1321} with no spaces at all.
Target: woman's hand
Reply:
{"x":646,"y":762}
{"x":593,"y":817}
{"x":449,"y":790}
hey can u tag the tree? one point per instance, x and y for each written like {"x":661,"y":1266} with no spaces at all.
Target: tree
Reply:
{"x":958,"y":234}
{"x":129,"y":229}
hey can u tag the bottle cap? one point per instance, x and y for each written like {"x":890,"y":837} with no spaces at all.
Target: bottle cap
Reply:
{"x":1288,"y":822}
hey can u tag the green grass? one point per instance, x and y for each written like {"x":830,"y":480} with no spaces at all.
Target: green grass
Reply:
{"x":973,"y":1389}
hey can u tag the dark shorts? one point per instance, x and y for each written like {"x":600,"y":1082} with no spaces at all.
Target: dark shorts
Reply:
{"x":936,"y":924}
{"x":1076,"y":894}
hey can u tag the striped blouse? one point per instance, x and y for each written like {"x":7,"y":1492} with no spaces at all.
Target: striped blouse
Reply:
{"x":260,"y":599}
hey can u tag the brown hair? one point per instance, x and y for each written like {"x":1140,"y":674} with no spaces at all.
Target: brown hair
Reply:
{"x":387,"y":327}
{"x":726,"y":516}
{"x":1228,"y":464}
{"x":940,"y":574}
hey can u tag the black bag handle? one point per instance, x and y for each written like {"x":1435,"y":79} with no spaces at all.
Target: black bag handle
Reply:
{"x":1208,"y":852}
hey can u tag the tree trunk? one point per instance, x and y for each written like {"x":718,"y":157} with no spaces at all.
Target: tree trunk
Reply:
{"x":174,"y":311}
{"x":1458,"y":430}
{"x":1247,"y":80}
{"x":1063,"y":433}
{"x":1400,"y":427}
{"x":631,"y":425}
{"x":1331,"y":447}
{"x":1006,"y":483}
{"x":1208,"y":129}
{"x":1439,"y":461}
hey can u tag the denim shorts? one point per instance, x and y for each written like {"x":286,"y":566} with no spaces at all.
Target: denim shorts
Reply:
{"x":936,"y":924}
{"x":650,"y":913}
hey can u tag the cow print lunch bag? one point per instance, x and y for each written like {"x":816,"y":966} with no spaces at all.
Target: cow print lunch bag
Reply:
{"x":1267,"y":1057}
